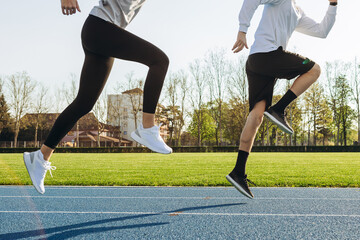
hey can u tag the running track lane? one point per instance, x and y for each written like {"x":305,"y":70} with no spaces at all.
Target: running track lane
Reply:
{"x":178,"y":213}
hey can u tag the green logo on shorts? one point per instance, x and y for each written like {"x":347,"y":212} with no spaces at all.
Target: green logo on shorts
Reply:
{"x":306,"y":61}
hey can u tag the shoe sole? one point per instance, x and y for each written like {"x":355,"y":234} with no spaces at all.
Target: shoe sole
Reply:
{"x":139,"y":140}
{"x":279,"y":124}
{"x":26,"y":157}
{"x":238,"y":187}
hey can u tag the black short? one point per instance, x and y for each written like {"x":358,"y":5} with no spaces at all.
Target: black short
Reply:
{"x":263,"y":69}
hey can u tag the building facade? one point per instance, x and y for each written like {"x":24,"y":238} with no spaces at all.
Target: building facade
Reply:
{"x":125,"y":111}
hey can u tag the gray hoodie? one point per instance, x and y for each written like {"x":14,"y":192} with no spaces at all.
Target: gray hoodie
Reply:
{"x":279,"y":20}
{"x":118,"y":12}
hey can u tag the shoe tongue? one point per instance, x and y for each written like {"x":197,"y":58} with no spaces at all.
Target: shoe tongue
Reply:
{"x":152,"y":128}
{"x":41,"y":156}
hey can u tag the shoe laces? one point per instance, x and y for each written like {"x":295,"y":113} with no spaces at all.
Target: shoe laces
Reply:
{"x":249,"y":181}
{"x":47,"y":166}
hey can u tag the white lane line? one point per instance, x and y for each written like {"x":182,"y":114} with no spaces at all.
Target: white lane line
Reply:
{"x":185,"y":213}
{"x":195,"y":198}
{"x":180,"y":187}
{"x":131,"y":188}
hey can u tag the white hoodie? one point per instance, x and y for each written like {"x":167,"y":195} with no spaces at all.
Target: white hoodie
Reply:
{"x":279,"y":20}
{"x":118,"y":12}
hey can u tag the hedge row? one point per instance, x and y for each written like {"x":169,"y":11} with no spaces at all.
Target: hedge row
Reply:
{"x":195,"y":149}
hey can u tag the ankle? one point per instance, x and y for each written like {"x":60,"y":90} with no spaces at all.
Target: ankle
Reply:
{"x":148,"y":120}
{"x":277,"y":109}
{"x":148,"y":125}
{"x":46,"y":152}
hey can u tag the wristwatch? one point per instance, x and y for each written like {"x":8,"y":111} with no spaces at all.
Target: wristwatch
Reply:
{"x":333,"y":3}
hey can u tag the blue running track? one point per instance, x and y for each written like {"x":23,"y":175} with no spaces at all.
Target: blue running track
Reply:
{"x":178,"y":213}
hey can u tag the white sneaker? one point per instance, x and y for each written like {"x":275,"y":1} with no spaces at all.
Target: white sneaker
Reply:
{"x":37,"y":168}
{"x":150,"y":137}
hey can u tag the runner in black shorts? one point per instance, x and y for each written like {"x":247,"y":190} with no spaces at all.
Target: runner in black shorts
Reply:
{"x":267,"y":62}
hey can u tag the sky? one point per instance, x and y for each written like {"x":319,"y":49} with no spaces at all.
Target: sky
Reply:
{"x":36,"y":37}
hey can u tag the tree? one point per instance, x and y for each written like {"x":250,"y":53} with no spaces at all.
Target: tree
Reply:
{"x":176,"y":91}
{"x":208,"y":126}
{"x":115,"y":111}
{"x":344,"y":110}
{"x":313,"y":98}
{"x":183,"y":94}
{"x":234,"y":119}
{"x":58,"y":97}
{"x":4,"y":110}
{"x":99,"y":111}
{"x":70,"y":95}
{"x":21,"y":87}
{"x":217,"y":75}
{"x":197,"y":95}
{"x":237,"y":82}
{"x":325,"y":120}
{"x":135,"y":95}
{"x":268,"y":130}
{"x":355,"y":92}
{"x":294,"y":112}
{"x":335,"y":71}
{"x":40,"y":107}
{"x":238,"y":106}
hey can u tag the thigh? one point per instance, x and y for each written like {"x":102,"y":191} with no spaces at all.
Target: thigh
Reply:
{"x":290,"y":65}
{"x":280,"y":64}
{"x":105,"y":38}
{"x":261,"y":87}
{"x":94,"y":74}
{"x":259,"y":108}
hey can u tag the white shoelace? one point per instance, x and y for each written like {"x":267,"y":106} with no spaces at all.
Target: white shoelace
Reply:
{"x":47,"y":166}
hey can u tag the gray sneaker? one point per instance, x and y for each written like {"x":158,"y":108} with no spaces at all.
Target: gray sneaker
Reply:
{"x":279,"y":119}
{"x":240,"y":183}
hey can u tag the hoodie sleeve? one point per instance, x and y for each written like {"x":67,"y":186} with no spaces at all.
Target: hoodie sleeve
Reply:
{"x":309,"y":27}
{"x":248,"y":9}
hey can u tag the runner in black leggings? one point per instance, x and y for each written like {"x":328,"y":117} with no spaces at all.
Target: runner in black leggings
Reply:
{"x":103,"y":39}
{"x":102,"y":42}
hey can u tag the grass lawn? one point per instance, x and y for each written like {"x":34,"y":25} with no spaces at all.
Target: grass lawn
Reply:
{"x":190,"y":169}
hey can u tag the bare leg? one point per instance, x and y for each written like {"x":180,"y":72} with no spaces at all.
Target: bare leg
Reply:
{"x":47,"y":152}
{"x":148,"y":120}
{"x":251,"y":127}
{"x":306,"y":80}
{"x":237,"y":177}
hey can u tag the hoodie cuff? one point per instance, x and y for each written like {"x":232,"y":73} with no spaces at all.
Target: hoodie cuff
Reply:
{"x":332,"y":9}
{"x":243,"y":28}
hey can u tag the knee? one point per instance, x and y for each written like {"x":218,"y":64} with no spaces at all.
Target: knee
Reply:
{"x":256,"y":117}
{"x":164,"y":61}
{"x":81,"y":108}
{"x":160,"y":60}
{"x":315,"y":71}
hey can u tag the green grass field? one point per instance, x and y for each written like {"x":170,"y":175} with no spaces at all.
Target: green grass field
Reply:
{"x":190,"y":169}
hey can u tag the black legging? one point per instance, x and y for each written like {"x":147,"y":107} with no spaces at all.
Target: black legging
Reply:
{"x":102,"y":42}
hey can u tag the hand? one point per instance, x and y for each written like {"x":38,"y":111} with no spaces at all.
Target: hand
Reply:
{"x":69,"y":7}
{"x":240,"y":42}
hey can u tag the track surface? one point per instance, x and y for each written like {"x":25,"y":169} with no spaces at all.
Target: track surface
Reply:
{"x":178,"y":213}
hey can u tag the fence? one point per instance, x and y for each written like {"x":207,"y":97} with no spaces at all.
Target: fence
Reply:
{"x":194,"y":149}
{"x":21,"y":144}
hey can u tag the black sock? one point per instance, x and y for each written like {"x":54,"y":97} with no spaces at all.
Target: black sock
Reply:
{"x":241,"y":162}
{"x":284,"y":101}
